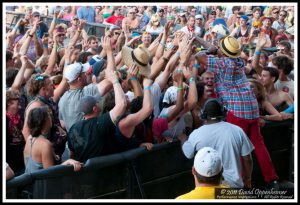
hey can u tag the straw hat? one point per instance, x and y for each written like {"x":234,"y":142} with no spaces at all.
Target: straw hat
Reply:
{"x":140,"y":56}
{"x":230,"y":46}
{"x":155,"y":19}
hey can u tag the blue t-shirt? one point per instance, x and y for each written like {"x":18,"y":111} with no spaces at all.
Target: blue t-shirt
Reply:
{"x":86,"y":13}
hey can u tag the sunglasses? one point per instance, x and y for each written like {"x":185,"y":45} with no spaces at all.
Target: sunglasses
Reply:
{"x":116,"y":33}
{"x":39,"y":77}
{"x":282,"y":15}
{"x":131,"y":12}
{"x":238,"y":17}
{"x":60,"y":35}
{"x":278,"y":49}
{"x":276,"y":12}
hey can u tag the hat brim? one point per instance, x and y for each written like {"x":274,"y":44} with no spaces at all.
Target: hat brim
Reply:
{"x":128,"y":61}
{"x":224,"y":50}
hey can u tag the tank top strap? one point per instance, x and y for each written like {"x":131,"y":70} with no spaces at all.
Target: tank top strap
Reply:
{"x":31,"y":144}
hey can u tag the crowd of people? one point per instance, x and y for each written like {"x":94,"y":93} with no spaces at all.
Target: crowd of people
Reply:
{"x":185,"y":72}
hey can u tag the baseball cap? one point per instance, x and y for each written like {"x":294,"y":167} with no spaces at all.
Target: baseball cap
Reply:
{"x":73,"y":71}
{"x":199,"y":16}
{"x":170,"y":95}
{"x":171,"y":17}
{"x":207,"y":162}
{"x":86,"y":104}
{"x":36,"y":13}
{"x":98,"y":67}
{"x":75,"y":17}
{"x":94,"y":59}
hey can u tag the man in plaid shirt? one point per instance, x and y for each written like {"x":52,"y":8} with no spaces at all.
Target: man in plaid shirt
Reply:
{"x":234,"y":91}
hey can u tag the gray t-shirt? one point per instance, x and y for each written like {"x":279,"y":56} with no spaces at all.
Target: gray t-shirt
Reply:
{"x":69,"y":102}
{"x":229,"y":140}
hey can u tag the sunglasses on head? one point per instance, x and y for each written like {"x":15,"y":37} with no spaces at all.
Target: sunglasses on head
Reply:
{"x":39,"y":78}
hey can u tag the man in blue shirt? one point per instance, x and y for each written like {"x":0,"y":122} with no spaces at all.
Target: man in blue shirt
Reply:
{"x":87,"y":13}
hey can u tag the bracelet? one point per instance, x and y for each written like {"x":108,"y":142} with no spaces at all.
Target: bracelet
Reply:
{"x":196,"y":66}
{"x":147,"y":88}
{"x":133,"y":78}
{"x":45,"y":45}
{"x":30,"y":35}
{"x":257,"y":53}
{"x":162,"y":44}
{"x":180,"y":88}
{"x":252,"y":48}
{"x":191,"y":79}
{"x":116,"y":82}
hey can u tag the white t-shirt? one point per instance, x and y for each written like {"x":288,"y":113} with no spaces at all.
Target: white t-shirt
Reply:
{"x":286,"y":86}
{"x":156,"y":94}
{"x":229,"y":140}
{"x":197,"y":30}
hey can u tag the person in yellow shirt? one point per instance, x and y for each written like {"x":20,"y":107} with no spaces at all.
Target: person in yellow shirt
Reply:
{"x":207,"y":171}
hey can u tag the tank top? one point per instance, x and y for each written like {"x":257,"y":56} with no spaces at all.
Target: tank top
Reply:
{"x":106,"y":15}
{"x":32,"y":165}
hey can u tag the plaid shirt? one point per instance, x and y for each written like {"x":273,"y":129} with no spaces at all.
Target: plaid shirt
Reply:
{"x":233,"y":87}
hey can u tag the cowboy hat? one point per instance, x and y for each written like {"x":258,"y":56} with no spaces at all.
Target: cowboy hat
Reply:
{"x":230,"y":46}
{"x":139,"y":56}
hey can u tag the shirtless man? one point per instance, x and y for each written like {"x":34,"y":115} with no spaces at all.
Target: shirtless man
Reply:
{"x":279,"y":99}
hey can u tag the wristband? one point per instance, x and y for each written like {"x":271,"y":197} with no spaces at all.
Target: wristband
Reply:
{"x":16,"y":27}
{"x":162,"y":44}
{"x":116,"y":82}
{"x":257,"y":53}
{"x":147,"y":88}
{"x":30,"y":35}
{"x":165,"y":59}
{"x":133,"y":78}
{"x":178,"y":53}
{"x":180,"y":88}
{"x":45,"y":45}
{"x":252,"y":48}
{"x":55,"y":20}
{"x":196,"y":66}
{"x":191,"y":79}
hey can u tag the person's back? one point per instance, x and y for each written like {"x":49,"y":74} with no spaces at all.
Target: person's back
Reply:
{"x":89,"y":138}
{"x":229,"y":140}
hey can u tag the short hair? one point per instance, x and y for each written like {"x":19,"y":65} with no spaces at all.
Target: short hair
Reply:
{"x":265,"y":54}
{"x":285,"y":44}
{"x":283,"y":63}
{"x":273,"y":72}
{"x":82,"y":58}
{"x":37,"y":118}
{"x":210,"y":180}
{"x":234,"y":8}
{"x":257,"y":9}
{"x":220,"y":8}
{"x":92,"y":37}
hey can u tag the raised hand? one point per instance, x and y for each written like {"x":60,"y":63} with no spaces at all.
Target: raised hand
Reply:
{"x":106,"y":44}
{"x":187,"y":73}
{"x":132,"y":71}
{"x":24,"y":60}
{"x":178,"y":76}
{"x":111,"y":75}
{"x":81,"y":24}
{"x":147,"y":82}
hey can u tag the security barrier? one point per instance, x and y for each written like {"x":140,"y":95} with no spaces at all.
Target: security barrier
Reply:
{"x":162,"y":173}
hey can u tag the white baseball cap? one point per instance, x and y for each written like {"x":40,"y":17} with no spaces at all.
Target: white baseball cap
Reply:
{"x":170,"y":95}
{"x":72,"y":71}
{"x":199,"y":16}
{"x":208,"y":162}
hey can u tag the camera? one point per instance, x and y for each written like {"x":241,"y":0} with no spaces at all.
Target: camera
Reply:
{"x":256,"y":32}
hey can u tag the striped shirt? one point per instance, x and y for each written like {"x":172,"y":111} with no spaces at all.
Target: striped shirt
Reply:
{"x":233,"y":87}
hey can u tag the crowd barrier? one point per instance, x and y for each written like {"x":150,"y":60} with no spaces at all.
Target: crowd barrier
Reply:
{"x":162,"y":173}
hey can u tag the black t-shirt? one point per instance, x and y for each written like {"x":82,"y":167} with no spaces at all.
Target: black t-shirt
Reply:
{"x":91,"y":138}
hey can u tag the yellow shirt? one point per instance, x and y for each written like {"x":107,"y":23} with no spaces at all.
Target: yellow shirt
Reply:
{"x":201,"y":193}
